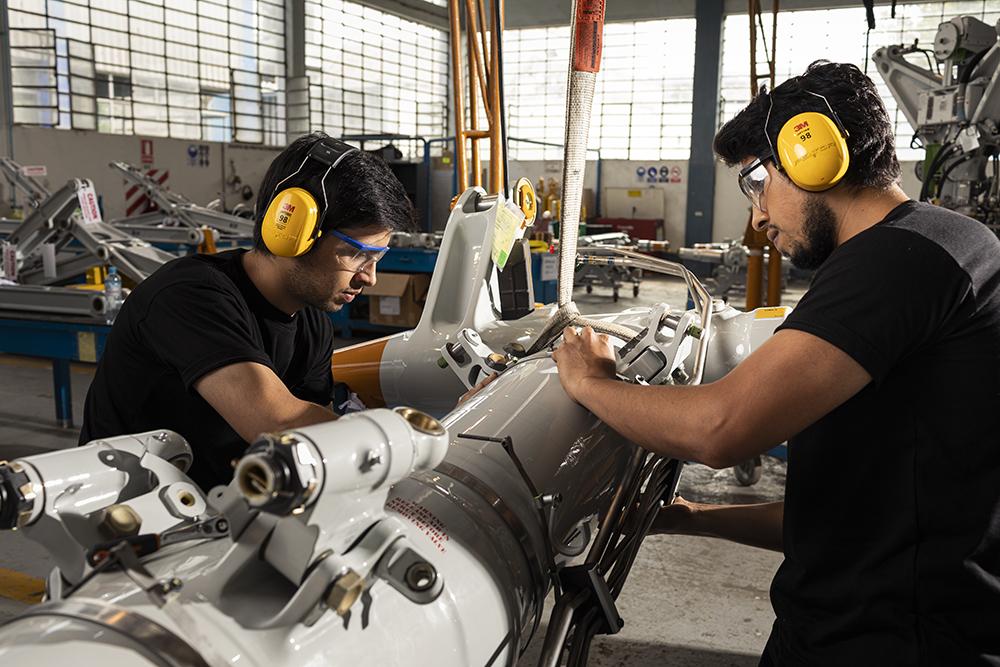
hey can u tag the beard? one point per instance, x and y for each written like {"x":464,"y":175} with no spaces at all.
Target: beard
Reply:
{"x":820,"y":235}
{"x":311,"y":283}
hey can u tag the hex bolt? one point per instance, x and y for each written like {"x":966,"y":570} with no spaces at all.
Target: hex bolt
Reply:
{"x":421,"y":576}
{"x":345,"y":591}
{"x":497,"y":362}
{"x":120,"y":521}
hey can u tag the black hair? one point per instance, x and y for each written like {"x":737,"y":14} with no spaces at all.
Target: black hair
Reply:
{"x":854,"y":98}
{"x":362,"y":190}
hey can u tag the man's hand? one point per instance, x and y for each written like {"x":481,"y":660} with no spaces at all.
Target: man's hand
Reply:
{"x":754,"y":525}
{"x":582,"y":358}
{"x":675,"y":518}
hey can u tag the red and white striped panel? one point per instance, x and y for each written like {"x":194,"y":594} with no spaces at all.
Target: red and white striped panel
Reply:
{"x":136,"y":201}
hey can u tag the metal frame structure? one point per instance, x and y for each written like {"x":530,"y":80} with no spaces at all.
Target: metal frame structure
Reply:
{"x":178,"y":220}
{"x":57,"y":221}
{"x":954,"y":107}
{"x":484,"y":86}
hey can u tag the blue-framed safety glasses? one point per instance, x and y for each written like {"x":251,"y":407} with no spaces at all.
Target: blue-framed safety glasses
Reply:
{"x":364,"y":255}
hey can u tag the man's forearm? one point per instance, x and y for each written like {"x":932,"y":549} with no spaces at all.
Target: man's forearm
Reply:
{"x":681,"y":422}
{"x":753,"y":525}
{"x":305,"y":413}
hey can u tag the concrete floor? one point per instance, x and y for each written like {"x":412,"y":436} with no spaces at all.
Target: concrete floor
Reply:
{"x":689,"y":601}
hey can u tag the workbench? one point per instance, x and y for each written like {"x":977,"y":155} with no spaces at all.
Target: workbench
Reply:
{"x":62,"y":340}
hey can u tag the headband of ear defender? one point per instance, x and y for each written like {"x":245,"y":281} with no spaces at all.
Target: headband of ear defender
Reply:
{"x":811,"y":148}
{"x":293,"y":220}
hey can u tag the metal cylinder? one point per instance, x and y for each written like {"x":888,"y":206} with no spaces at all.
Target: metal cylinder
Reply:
{"x":773,"y":276}
{"x":755,"y":278}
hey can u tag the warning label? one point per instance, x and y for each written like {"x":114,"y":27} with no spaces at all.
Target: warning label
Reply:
{"x":589,"y":36}
{"x":422,"y":518}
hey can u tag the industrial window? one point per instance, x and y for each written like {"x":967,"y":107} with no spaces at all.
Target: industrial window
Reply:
{"x":193,"y":69}
{"x":372,"y":73}
{"x":838,"y":35}
{"x":642,"y":104}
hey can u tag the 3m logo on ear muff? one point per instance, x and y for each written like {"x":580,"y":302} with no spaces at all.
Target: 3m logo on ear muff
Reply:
{"x":293,"y":220}
{"x":289,"y":228}
{"x":812,"y":151}
{"x":811,"y":148}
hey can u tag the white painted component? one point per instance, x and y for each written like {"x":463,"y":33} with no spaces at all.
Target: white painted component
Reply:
{"x":72,"y":486}
{"x":458,"y":298}
{"x":56,"y":640}
{"x":185,"y":500}
{"x":736,"y":334}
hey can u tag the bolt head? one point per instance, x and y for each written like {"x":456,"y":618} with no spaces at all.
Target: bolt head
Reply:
{"x":345,"y":591}
{"x":121,"y":521}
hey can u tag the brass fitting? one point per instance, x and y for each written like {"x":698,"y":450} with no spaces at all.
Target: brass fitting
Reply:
{"x":344,"y":592}
{"x":120,"y":521}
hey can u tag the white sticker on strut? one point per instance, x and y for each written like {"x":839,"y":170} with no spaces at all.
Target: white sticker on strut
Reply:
{"x":88,"y":204}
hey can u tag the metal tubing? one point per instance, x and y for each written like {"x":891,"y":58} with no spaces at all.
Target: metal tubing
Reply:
{"x":477,"y":58}
{"x":63,"y":390}
{"x":474,"y":71}
{"x":559,"y":625}
{"x":773,"y":276}
{"x":54,"y":300}
{"x":702,"y":299}
{"x":755,"y":278}
{"x":456,"y":76}
{"x":501,"y":109}
{"x":614,"y":509}
{"x":496,"y":141}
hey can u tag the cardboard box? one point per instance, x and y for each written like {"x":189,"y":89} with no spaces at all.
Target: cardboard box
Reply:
{"x":397,"y":299}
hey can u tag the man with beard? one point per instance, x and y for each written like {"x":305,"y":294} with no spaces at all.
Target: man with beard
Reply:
{"x":221,"y":348}
{"x":884,"y":380}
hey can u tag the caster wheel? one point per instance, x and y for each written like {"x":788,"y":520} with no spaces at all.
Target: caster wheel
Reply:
{"x":635,"y":290}
{"x":748,"y":473}
{"x":615,"y":296}
{"x":590,"y":289}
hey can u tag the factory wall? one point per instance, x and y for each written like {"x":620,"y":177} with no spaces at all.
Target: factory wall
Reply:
{"x":198,"y":170}
{"x":201,"y":170}
{"x":624,"y":177}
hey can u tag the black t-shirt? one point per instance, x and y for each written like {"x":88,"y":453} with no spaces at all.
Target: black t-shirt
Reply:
{"x":194,"y":315}
{"x":892,"y":504}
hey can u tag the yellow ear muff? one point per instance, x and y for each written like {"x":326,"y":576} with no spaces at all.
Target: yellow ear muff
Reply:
{"x":812,"y":151}
{"x":289,"y":226}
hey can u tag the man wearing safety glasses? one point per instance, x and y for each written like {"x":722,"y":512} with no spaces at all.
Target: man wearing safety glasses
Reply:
{"x":221,"y":348}
{"x":884,"y":380}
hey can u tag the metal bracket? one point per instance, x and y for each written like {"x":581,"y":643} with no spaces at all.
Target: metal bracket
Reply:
{"x":580,"y":578}
{"x":410,"y":574}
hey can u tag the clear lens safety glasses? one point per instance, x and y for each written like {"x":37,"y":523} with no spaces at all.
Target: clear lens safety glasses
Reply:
{"x":360,"y":255}
{"x":753,"y":180}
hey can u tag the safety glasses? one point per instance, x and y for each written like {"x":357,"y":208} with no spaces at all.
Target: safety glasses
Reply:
{"x":753,"y":180}
{"x":359,"y":256}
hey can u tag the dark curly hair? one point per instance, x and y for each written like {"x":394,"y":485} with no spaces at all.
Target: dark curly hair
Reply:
{"x":362,"y":190}
{"x":851,"y":94}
